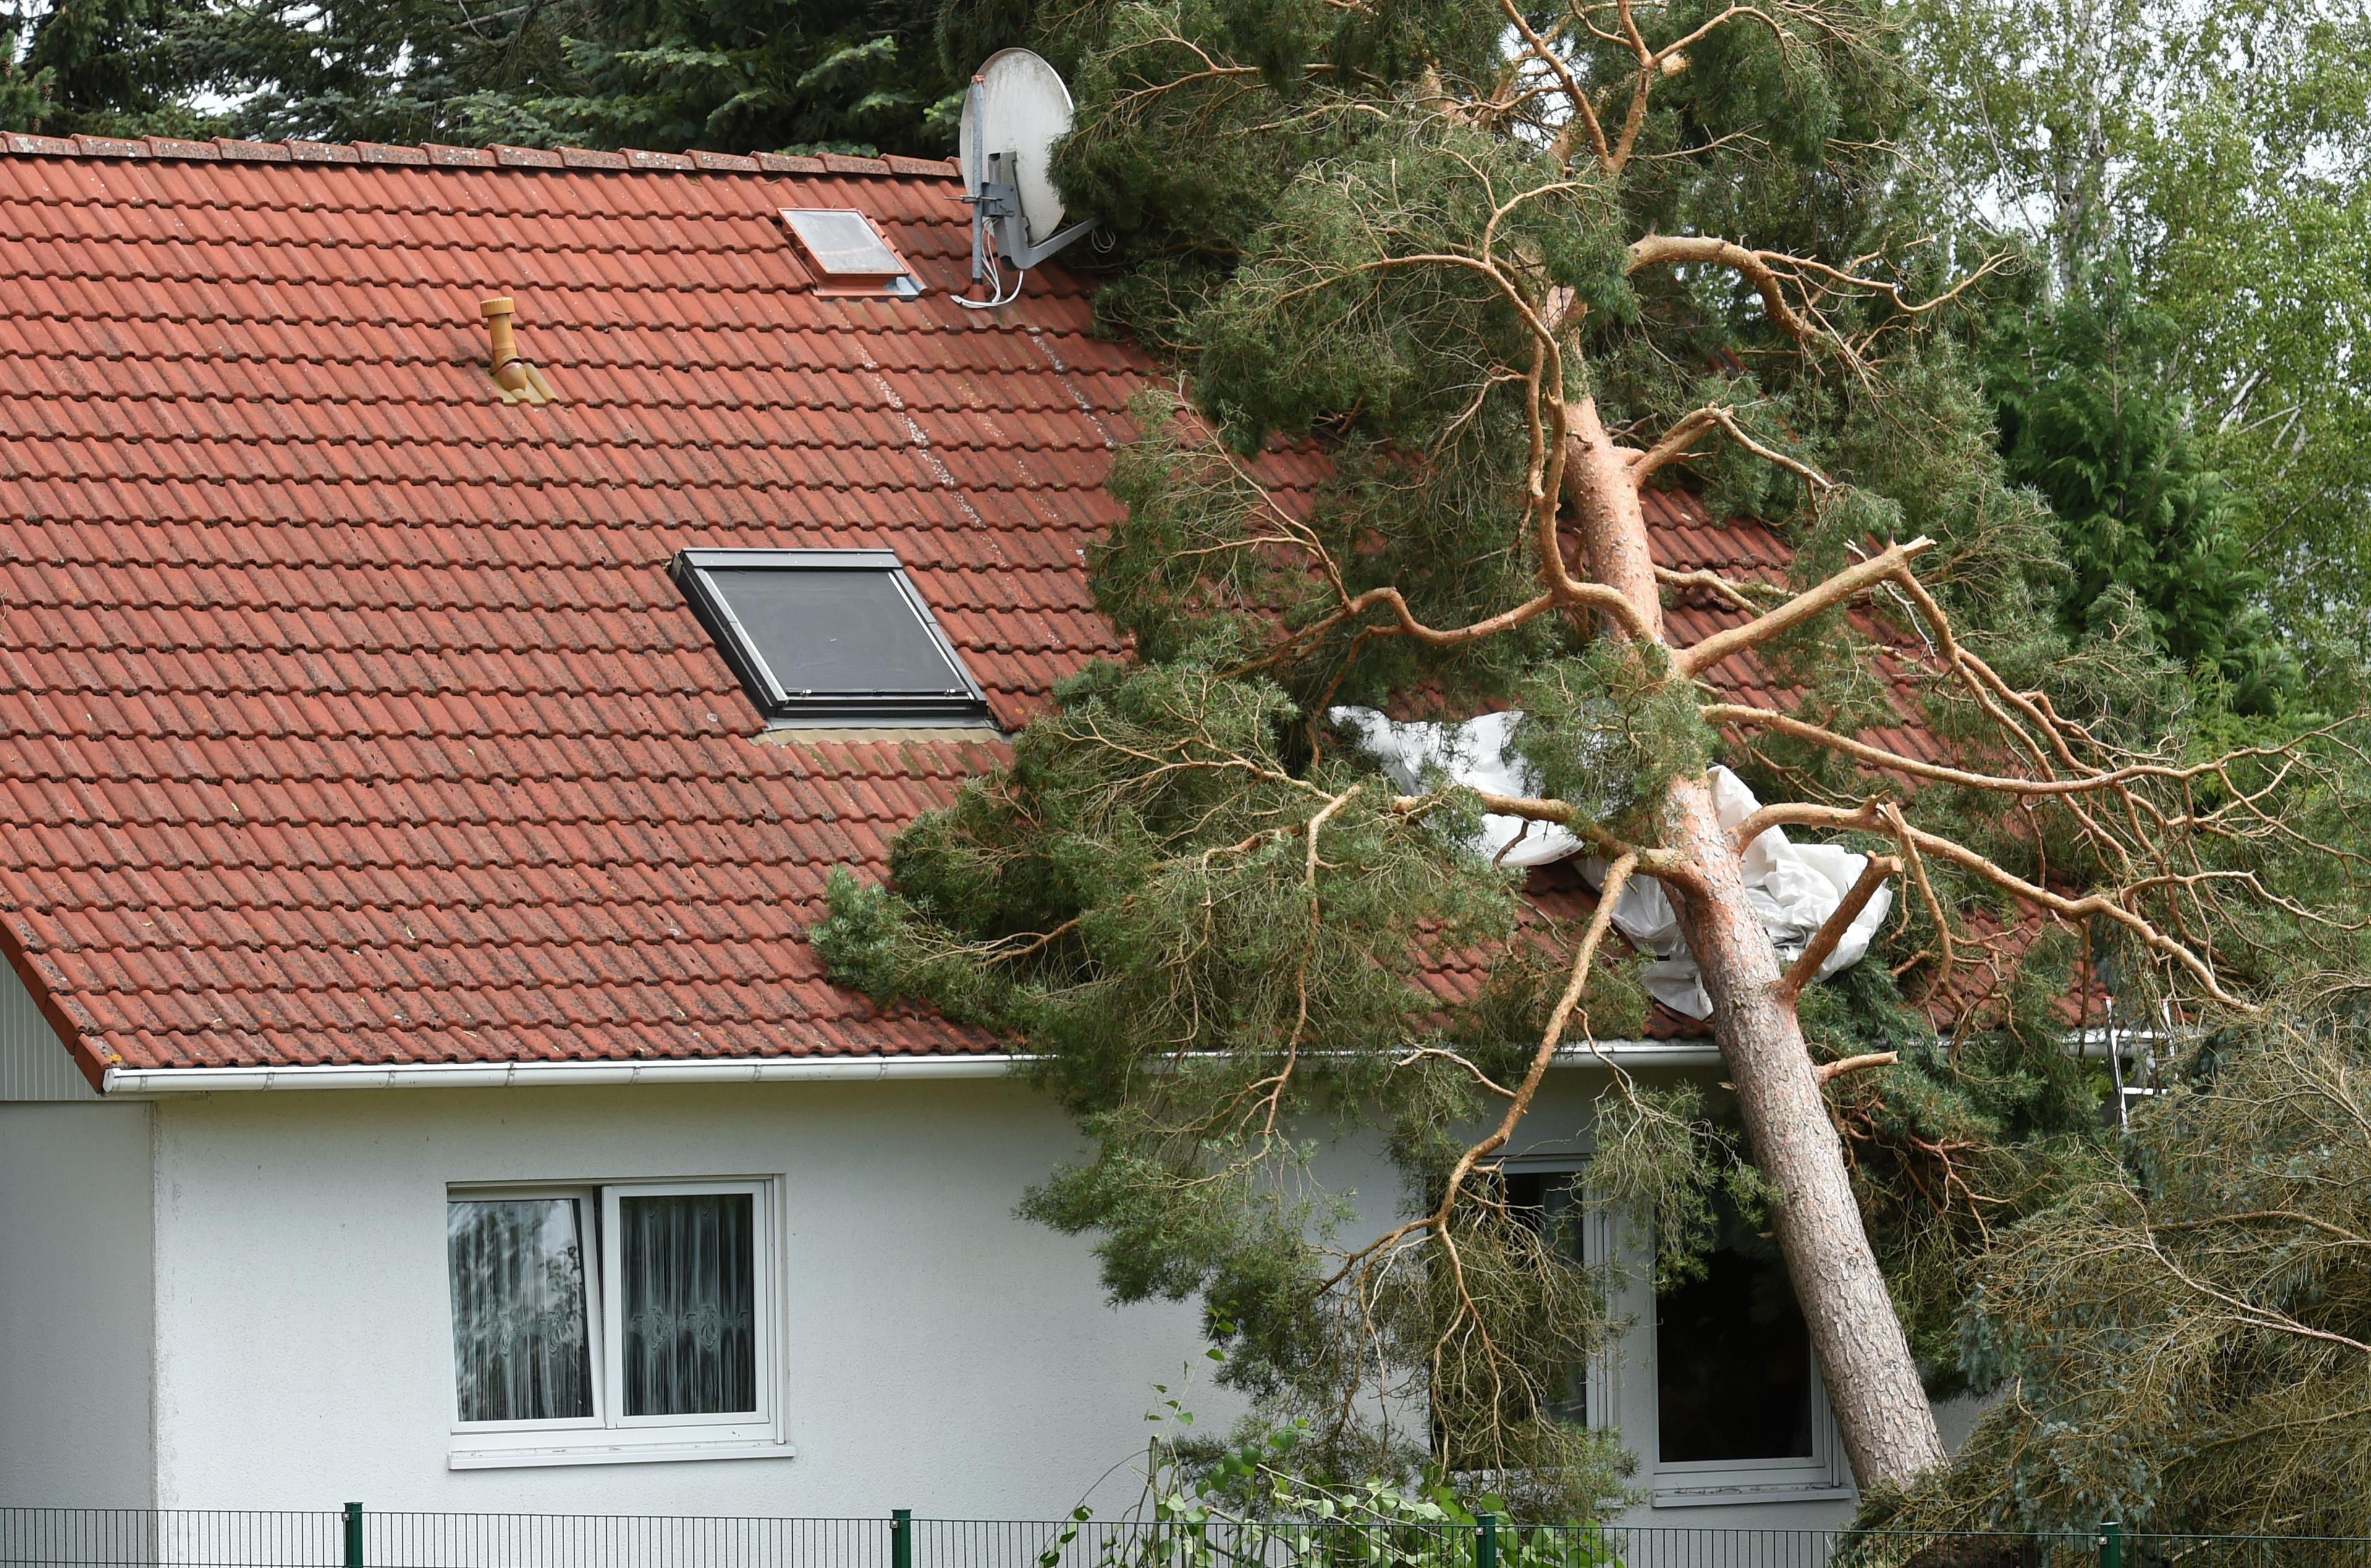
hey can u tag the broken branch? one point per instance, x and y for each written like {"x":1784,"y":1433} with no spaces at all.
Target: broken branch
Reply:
{"x":1827,"y":1072}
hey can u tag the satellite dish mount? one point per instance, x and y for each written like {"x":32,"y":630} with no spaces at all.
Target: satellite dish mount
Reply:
{"x":1013,"y":113}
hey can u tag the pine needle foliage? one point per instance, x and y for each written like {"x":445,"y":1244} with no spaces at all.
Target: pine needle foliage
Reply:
{"x":1218,"y":927}
{"x":2182,"y":1340}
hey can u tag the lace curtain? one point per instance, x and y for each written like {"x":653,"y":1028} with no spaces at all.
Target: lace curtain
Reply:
{"x":686,"y":1264}
{"x":520,"y":1347}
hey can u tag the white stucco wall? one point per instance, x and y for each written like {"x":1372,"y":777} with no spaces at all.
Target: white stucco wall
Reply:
{"x":75,"y":1294}
{"x":944,"y":1356}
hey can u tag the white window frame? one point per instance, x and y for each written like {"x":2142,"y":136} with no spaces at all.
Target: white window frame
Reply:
{"x":610,"y":1437}
{"x":1712,"y":1482}
{"x":1622,"y":1394}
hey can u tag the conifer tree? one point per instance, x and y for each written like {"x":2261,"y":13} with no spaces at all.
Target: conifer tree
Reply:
{"x":102,"y":67}
{"x":1510,"y":268}
{"x":2183,"y":1341}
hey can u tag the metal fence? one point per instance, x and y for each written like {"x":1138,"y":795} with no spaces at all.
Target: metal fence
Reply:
{"x":359,"y":1537}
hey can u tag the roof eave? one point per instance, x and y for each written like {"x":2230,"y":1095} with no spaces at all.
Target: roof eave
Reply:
{"x":151,"y":1082}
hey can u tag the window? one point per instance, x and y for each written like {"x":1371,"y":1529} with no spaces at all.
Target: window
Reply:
{"x":829,"y":637}
{"x":851,"y":256}
{"x":1546,"y":1197}
{"x":625,"y":1322}
{"x":1742,"y":1391}
{"x":1739,"y":1413}
{"x":1714,"y":1388}
{"x":522,"y":1340}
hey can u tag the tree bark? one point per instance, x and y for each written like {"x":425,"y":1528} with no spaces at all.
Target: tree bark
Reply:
{"x":1880,"y":1406}
{"x":1872,"y":1383}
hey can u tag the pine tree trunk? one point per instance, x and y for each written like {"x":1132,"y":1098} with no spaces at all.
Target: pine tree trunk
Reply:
{"x":1872,"y":1383}
{"x":1881,"y":1410}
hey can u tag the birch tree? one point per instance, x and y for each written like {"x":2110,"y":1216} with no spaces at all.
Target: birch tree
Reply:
{"x":1511,"y":270}
{"x":2218,"y":152}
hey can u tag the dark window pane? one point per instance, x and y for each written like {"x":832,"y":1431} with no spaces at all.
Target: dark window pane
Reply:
{"x":1732,"y":1358}
{"x":836,"y":631}
{"x":688,"y":1265}
{"x":1547,"y":1199}
{"x":519,"y":1340}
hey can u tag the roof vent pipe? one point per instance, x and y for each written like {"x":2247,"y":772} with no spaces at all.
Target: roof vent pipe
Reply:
{"x":519,"y":381}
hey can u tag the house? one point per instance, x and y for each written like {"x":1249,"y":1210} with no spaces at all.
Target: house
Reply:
{"x":416,"y":1084}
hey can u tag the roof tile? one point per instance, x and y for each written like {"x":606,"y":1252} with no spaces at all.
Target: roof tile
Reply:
{"x":369,"y":723}
{"x":253,"y":152}
{"x":347,"y":713}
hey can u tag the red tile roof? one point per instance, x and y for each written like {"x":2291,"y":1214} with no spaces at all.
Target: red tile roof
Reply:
{"x":347,"y":715}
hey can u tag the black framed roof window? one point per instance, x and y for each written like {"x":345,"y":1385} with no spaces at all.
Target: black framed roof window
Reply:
{"x":829,"y":637}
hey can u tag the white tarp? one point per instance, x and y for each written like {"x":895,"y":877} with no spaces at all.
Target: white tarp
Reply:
{"x":1794,"y":887}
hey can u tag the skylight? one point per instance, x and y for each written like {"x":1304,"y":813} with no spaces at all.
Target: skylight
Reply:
{"x":829,"y":637}
{"x":850,"y":254}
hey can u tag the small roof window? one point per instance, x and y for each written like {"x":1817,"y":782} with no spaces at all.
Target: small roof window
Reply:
{"x":851,"y":255}
{"x":829,"y":637}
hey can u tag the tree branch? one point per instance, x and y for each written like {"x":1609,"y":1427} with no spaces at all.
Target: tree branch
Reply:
{"x":1828,"y":1072}
{"x":1726,"y":713}
{"x":1676,"y":443}
{"x":1872,"y":817}
{"x":1832,"y":930}
{"x":1893,"y":563}
{"x":1754,"y":266}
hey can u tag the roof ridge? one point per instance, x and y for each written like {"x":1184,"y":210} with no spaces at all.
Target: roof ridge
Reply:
{"x":435,"y":155}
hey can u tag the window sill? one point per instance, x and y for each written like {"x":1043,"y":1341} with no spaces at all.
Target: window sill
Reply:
{"x":791,"y":731}
{"x":668,"y":1451}
{"x":1715,"y":1493}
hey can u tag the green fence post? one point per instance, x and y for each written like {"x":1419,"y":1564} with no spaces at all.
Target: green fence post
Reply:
{"x":2112,"y":1544}
{"x":1486,"y":1541}
{"x":353,"y":1535}
{"x":901,"y":1538}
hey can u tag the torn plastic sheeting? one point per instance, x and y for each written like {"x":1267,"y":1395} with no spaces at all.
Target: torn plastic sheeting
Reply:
{"x":1473,"y":754}
{"x":1794,"y":887}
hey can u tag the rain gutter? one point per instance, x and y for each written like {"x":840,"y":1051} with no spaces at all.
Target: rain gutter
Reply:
{"x":145,"y":1081}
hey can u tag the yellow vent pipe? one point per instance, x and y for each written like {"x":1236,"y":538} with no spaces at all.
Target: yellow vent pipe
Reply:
{"x":519,"y":381}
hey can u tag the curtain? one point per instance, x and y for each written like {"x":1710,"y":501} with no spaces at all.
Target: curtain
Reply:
{"x":520,"y":1349}
{"x":687,"y":1265}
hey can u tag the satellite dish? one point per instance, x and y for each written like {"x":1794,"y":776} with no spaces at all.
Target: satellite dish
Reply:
{"x":1017,"y":105}
{"x":1015,"y":111}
